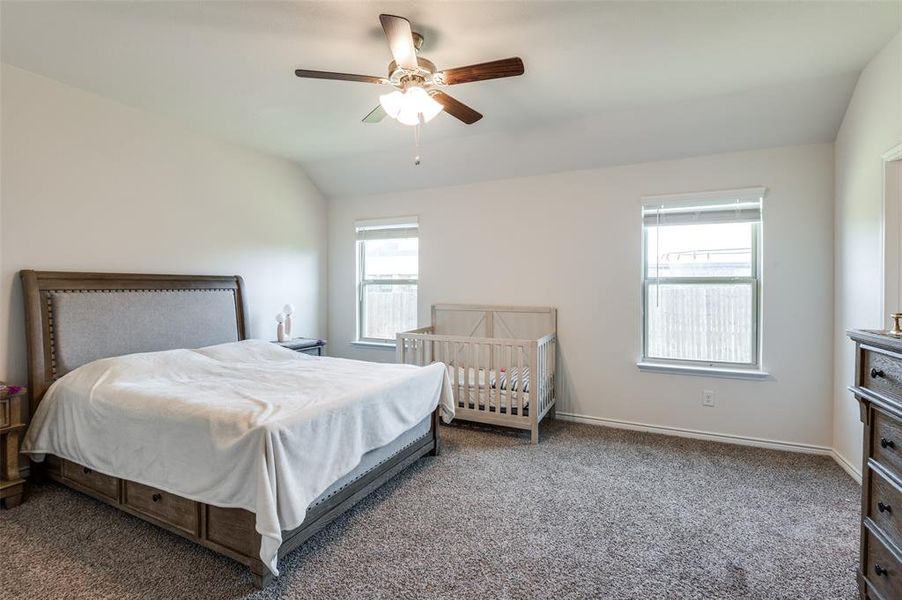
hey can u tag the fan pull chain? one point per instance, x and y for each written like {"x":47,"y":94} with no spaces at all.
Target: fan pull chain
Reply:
{"x":416,"y":143}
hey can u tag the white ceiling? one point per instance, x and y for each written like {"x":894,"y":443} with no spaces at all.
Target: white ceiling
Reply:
{"x":605,"y":83}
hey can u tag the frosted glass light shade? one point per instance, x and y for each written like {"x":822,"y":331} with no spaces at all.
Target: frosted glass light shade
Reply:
{"x":391,"y":103}
{"x":408,"y":106}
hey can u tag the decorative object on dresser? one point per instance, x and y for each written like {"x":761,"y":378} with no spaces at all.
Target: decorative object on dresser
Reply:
{"x":288,"y":310}
{"x":897,"y":326}
{"x":304,"y":345}
{"x":878,"y":389}
{"x":500,"y":360}
{"x":12,"y":422}
{"x":280,"y":330}
{"x":82,"y":307}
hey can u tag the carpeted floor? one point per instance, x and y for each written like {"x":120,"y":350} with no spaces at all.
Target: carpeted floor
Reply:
{"x":589,"y":512}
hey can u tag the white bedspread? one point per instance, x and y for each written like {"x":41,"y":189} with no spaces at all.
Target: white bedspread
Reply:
{"x":247,"y":424}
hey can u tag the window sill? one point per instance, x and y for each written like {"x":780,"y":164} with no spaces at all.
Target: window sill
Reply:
{"x":725,"y":373}
{"x":367,"y":344}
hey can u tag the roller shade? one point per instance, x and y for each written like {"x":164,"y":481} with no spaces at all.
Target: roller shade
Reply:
{"x":387,"y":229}
{"x":730,"y":206}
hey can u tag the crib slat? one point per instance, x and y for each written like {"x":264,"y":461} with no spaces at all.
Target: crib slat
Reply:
{"x":491,"y":374}
{"x":477,"y":348}
{"x":473,"y":395}
{"x":477,"y":371}
{"x":521,"y":397}
{"x":544,"y":369}
{"x":476,"y":351}
{"x":458,"y":381}
{"x":545,"y":397}
{"x":508,"y":396}
{"x":538,"y":379}
{"x":467,"y":368}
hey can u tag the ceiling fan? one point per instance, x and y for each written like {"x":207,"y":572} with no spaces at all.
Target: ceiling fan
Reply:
{"x":417,"y":97}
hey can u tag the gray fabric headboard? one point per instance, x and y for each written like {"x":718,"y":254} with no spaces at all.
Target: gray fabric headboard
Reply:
{"x":88,"y":325}
{"x":74,"y":318}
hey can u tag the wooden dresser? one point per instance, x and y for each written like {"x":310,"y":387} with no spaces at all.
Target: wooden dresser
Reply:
{"x":878,"y":388}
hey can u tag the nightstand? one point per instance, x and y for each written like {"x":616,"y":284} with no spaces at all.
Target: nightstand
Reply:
{"x":12,"y":424}
{"x":306,"y":345}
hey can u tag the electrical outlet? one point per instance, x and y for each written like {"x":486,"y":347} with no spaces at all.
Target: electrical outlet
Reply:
{"x":708,"y":398}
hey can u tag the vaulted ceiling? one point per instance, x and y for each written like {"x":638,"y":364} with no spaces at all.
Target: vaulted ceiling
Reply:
{"x":606,"y":82}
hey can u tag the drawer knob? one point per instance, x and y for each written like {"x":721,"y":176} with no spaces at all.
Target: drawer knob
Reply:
{"x":86,"y":470}
{"x":880,"y":570}
{"x":875,"y":373}
{"x":885,"y":443}
{"x":884,"y":507}
{"x":156,"y":497}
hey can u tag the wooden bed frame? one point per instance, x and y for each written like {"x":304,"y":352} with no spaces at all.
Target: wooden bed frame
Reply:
{"x":228,"y":531}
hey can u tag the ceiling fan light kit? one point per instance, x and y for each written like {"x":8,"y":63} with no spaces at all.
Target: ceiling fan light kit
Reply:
{"x":412,"y":107}
{"x":417,"y":98}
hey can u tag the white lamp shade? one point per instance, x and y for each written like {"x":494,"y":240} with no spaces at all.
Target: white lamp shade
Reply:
{"x":409,"y":106}
{"x":391,"y":103}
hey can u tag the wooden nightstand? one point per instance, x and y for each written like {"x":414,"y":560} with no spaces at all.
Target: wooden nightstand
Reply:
{"x":306,"y":345}
{"x":12,"y":424}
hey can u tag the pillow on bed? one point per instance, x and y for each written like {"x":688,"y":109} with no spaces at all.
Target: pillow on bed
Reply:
{"x":251,"y":351}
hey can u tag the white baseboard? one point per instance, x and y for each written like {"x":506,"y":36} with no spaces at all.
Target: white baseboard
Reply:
{"x":715,"y":437}
{"x":846,"y":465}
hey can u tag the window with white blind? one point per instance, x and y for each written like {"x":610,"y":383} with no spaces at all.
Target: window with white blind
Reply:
{"x":701,"y":286}
{"x":387,"y":275}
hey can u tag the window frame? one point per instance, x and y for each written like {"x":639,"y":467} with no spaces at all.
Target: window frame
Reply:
{"x":754,"y":280}
{"x":363,"y":282}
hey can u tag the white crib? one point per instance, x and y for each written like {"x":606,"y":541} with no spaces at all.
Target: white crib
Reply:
{"x":500,"y":360}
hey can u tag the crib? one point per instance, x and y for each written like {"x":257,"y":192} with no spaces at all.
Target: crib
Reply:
{"x":500,"y":360}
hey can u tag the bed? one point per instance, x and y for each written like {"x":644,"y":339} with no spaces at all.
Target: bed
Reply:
{"x":146,"y":394}
{"x":500,"y":360}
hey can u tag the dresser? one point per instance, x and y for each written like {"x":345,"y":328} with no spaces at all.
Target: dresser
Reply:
{"x":878,"y":389}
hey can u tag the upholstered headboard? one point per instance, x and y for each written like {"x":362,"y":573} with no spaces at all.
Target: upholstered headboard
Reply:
{"x":74,"y":318}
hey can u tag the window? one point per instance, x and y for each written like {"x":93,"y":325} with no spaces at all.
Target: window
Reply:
{"x":701,"y":279}
{"x":387,"y":273}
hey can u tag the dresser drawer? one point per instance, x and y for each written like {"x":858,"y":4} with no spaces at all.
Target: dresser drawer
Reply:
{"x":881,"y":373}
{"x":5,"y":420}
{"x":163,"y":506}
{"x":886,"y":442}
{"x":881,"y":567}
{"x":885,"y":507}
{"x":91,"y":479}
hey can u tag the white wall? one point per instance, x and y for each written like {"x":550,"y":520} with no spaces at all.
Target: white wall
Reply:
{"x":872,"y":125}
{"x":89,"y":184}
{"x":572,"y":240}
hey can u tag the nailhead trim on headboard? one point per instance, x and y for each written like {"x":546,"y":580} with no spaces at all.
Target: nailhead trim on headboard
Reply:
{"x":48,"y":295}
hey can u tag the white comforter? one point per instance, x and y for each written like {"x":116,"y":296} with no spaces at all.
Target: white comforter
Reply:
{"x":247,"y":424}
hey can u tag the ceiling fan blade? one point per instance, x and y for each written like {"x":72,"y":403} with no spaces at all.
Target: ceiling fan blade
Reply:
{"x":496,"y":69}
{"x":376,"y":115}
{"x":400,"y":40}
{"x":456,"y":109}
{"x":337,"y":76}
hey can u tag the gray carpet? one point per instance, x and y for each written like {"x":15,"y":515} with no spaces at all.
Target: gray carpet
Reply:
{"x":589,"y":512}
